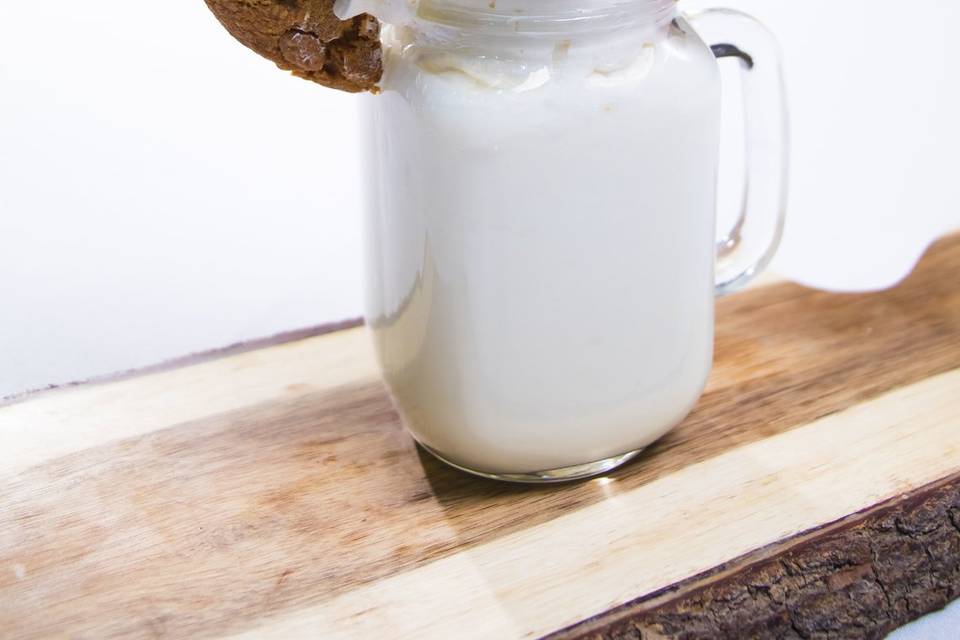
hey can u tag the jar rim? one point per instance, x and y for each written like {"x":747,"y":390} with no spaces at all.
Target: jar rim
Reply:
{"x":529,"y":16}
{"x":520,"y":16}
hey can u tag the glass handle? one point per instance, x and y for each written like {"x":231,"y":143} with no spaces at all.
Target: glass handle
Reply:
{"x":753,"y":240}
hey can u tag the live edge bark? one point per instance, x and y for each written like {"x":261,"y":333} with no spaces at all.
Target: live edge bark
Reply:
{"x":859,"y":578}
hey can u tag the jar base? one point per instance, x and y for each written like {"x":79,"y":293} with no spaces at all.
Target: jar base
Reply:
{"x":550,"y":476}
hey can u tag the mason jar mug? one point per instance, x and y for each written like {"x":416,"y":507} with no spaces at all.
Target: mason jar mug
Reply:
{"x":543,"y":253}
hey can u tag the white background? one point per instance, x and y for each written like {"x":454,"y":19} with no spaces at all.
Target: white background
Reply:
{"x":164,"y":191}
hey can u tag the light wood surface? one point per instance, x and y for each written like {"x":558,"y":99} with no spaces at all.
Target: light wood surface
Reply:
{"x":274,"y":494}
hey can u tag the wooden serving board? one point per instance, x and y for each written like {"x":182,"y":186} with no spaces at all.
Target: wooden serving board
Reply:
{"x":814,"y":493}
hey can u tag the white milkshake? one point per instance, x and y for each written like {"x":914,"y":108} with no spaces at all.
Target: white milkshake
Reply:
{"x":541,"y":237}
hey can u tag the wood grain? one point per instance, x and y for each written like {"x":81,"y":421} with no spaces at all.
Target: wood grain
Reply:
{"x":273,"y":492}
{"x":860,"y":577}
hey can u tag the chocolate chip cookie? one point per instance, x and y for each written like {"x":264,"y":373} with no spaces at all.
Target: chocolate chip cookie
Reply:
{"x":305,"y":37}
